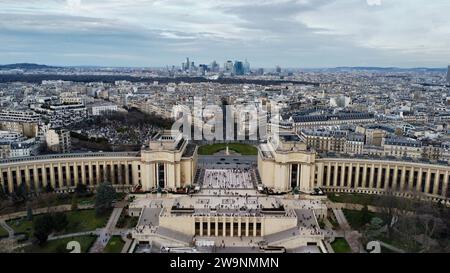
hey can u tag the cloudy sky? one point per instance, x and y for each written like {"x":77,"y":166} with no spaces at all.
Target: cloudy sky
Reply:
{"x":289,"y":33}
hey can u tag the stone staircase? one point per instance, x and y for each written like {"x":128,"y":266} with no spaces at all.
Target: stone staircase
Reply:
{"x":256,"y":178}
{"x":199,"y":175}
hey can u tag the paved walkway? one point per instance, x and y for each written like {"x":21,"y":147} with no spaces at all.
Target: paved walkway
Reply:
{"x":7,"y":228}
{"x":342,"y":221}
{"x":353,"y":239}
{"x":352,"y":236}
{"x":52,"y":237}
{"x":127,"y":244}
{"x":93,"y":232}
{"x":391,"y":247}
{"x":105,"y":234}
{"x":328,"y":247}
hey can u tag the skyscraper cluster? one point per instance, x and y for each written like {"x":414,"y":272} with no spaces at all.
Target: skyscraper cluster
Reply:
{"x":229,"y":67}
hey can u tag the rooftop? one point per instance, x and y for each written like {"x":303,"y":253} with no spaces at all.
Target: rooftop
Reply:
{"x":71,"y":155}
{"x":340,"y":116}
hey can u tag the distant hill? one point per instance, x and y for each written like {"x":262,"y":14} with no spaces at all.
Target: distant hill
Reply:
{"x":26,"y":66}
{"x":390,"y":69}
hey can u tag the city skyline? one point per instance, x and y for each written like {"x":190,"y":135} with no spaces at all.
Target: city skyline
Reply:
{"x":306,"y":34}
{"x":224,"y":126}
{"x":221,"y":66}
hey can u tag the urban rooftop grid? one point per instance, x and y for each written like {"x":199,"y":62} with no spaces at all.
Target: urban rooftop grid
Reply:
{"x":249,"y":160}
{"x":224,"y":127}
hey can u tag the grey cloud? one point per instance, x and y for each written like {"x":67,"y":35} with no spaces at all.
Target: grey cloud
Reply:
{"x":267,"y":32}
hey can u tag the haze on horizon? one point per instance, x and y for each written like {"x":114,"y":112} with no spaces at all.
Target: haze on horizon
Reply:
{"x":289,"y":33}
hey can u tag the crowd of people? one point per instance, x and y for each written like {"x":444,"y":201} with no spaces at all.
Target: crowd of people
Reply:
{"x":145,"y":229}
{"x":228,"y":179}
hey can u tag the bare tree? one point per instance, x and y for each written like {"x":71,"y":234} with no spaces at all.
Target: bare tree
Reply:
{"x":391,"y":208}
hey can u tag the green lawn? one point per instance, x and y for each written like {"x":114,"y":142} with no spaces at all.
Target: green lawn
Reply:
{"x":63,"y":199}
{"x":243,"y":149}
{"x":126,"y":221}
{"x":114,"y":245}
{"x":372,"y":199}
{"x":400,"y":243}
{"x":340,"y":245}
{"x":59,"y":246}
{"x":49,"y":200}
{"x":85,"y":220}
{"x":3,"y":232}
{"x":79,"y":221}
{"x":357,"y":220}
{"x":386,"y":250}
{"x":21,"y":225}
{"x":352,"y":198}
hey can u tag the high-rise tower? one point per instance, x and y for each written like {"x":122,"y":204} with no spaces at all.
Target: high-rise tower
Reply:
{"x":448,"y":74}
{"x":238,"y":68}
